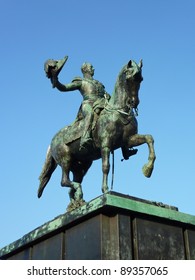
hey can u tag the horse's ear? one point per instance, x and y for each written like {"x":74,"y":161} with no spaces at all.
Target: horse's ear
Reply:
{"x":140,"y":64}
{"x":129,"y":64}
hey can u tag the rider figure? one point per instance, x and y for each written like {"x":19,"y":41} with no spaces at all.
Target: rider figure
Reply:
{"x":91,"y":90}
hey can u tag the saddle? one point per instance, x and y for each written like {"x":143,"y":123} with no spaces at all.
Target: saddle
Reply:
{"x":75,"y":130}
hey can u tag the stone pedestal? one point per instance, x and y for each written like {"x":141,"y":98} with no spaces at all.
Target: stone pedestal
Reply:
{"x":111,"y":226}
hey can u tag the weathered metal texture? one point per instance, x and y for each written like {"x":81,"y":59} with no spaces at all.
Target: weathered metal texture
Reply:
{"x":190,"y":244}
{"x":25,"y":254}
{"x":80,"y":242}
{"x":157,"y":241}
{"x":49,"y":249}
{"x":104,"y":123}
{"x":112,"y":226}
{"x":101,"y":237}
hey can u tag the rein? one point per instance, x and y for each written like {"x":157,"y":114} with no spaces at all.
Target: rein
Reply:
{"x":112,"y":182}
{"x":131,"y":110}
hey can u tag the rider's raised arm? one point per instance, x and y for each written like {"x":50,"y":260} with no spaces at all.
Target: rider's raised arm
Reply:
{"x":74,"y":85}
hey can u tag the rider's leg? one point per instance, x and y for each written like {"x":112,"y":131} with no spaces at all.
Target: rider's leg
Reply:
{"x":127,"y":153}
{"x":87,"y":111}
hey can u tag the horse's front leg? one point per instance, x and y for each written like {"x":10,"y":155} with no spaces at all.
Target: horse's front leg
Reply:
{"x":105,"y":152}
{"x":137,"y":140}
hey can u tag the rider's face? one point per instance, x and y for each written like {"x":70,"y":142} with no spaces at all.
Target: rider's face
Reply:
{"x":90,"y":69}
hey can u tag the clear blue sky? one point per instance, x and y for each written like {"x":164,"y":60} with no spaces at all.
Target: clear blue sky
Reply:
{"x":107,"y":34}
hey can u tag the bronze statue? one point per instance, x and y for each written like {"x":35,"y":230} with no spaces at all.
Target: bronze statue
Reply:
{"x":103,"y":124}
{"x":92,"y":91}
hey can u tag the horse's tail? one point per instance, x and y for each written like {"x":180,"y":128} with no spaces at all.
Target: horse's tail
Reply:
{"x":48,"y":168}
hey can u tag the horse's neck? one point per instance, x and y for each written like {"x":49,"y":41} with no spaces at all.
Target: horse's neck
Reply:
{"x":119,"y":96}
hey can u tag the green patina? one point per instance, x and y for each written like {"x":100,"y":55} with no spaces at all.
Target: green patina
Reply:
{"x":145,"y":208}
{"x":103,"y":124}
{"x":112,"y":201}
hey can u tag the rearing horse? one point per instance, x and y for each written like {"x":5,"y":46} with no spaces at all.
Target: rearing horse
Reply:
{"x":116,"y":127}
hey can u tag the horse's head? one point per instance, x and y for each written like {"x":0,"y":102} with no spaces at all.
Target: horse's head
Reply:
{"x":132,"y":77}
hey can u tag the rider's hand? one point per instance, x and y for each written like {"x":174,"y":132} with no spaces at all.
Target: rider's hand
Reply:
{"x":54,"y":80}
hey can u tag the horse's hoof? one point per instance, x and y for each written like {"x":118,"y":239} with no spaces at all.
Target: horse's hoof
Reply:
{"x":105,"y":190}
{"x":75,"y":204}
{"x":147,"y":170}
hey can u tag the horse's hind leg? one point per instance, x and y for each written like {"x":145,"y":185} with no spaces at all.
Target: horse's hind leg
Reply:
{"x":137,"y":140}
{"x":79,"y":169}
{"x":105,"y":153}
{"x":75,"y":193}
{"x":65,"y":161}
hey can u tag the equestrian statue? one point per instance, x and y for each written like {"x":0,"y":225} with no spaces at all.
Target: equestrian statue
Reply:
{"x":103,"y":124}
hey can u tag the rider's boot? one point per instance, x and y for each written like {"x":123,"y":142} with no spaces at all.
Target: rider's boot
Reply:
{"x":86,"y":140}
{"x":127,"y":153}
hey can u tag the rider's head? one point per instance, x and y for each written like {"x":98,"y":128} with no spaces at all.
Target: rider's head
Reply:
{"x":87,"y":68}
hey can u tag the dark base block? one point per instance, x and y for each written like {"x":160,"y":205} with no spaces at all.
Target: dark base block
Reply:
{"x":112,"y":226}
